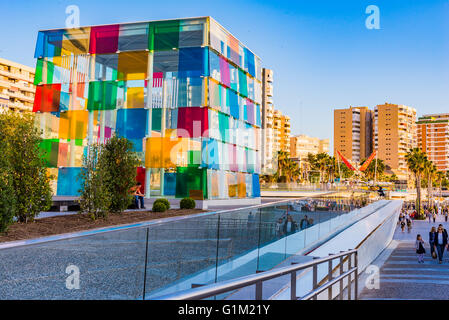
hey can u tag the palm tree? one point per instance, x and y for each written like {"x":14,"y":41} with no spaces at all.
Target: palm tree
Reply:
{"x":440,"y":178}
{"x":416,"y":161}
{"x":430,"y":173}
{"x":283,"y":159}
{"x":322,"y":163}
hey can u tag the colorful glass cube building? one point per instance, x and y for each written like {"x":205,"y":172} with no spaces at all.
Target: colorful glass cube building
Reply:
{"x":186,"y":93}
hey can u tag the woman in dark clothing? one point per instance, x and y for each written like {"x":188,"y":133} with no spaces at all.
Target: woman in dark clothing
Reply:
{"x":432,"y":235}
{"x":440,"y":242}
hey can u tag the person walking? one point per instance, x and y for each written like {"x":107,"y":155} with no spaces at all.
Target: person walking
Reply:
{"x":419,"y":246}
{"x":440,"y":242}
{"x":432,"y":235}
{"x":434,"y":217}
{"x":403,"y":225}
{"x":409,"y":224}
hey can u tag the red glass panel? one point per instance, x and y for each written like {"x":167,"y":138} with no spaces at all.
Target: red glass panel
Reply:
{"x":104,"y":39}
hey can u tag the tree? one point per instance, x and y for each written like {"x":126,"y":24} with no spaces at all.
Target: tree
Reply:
{"x":95,"y":198}
{"x":416,"y":161}
{"x":118,"y":163}
{"x":371,"y":171}
{"x":20,"y":141}
{"x":440,"y":177}
{"x":430,"y":173}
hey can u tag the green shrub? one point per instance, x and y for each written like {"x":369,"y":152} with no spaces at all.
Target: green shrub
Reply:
{"x":187,"y":203}
{"x":164,"y":201}
{"x":159,"y":207}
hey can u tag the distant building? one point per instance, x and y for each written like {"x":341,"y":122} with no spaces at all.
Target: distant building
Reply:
{"x":16,"y":86}
{"x":267,"y":119}
{"x":275,"y":125}
{"x":433,"y":138}
{"x":301,"y":145}
{"x":353,"y":132}
{"x":282,"y":131}
{"x":395,"y":133}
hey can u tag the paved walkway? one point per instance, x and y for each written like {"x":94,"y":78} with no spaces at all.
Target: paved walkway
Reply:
{"x":402,"y":277}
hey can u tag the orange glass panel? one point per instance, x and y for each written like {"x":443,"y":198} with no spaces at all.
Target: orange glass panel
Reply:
{"x":241,"y":185}
{"x":73,"y":124}
{"x":165,"y":152}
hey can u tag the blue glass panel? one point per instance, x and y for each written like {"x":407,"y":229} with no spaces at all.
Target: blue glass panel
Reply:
{"x":256,"y":186}
{"x":214,"y":63}
{"x":234,"y":104}
{"x":249,"y":62}
{"x":49,"y":43}
{"x":258,"y":119}
{"x":64,"y":101}
{"x":131,"y":123}
{"x":210,"y":154}
{"x":68,"y":182}
{"x":169,"y":183}
{"x":193,"y":62}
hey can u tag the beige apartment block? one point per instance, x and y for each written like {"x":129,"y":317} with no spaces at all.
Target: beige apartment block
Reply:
{"x":16,"y":86}
{"x":281,"y":132}
{"x":433,"y":138}
{"x":301,"y":145}
{"x":395,"y":133}
{"x":353,"y":133}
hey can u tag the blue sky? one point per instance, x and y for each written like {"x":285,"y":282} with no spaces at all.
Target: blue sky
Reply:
{"x":322,"y":54}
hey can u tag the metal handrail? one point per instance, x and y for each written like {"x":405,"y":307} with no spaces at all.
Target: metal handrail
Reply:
{"x":213,"y":289}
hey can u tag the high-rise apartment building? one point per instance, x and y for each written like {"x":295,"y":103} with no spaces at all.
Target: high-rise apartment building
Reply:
{"x":16,"y":86}
{"x":186,"y":92}
{"x":275,"y":126}
{"x":353,"y":129}
{"x":301,"y":145}
{"x":281,"y":132}
{"x":395,"y":133}
{"x":433,"y":138}
{"x":267,"y":119}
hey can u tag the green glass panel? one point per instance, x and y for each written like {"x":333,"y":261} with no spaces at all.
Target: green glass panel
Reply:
{"x":102,"y":95}
{"x":223,"y":125}
{"x":163,"y":35}
{"x":50,"y":151}
{"x":50,"y":72}
{"x":38,"y":74}
{"x":194,"y":157}
{"x":190,"y":178}
{"x":243,"y":85}
{"x":156,"y":118}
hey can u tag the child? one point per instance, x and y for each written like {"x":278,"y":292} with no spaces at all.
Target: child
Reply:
{"x":419,"y":245}
{"x":402,"y":225}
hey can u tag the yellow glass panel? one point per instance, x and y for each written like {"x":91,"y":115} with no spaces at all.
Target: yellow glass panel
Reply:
{"x":135,"y":98}
{"x":132,"y":65}
{"x":215,"y":192}
{"x":76,"y":41}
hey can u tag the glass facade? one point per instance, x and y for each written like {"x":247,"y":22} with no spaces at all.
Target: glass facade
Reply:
{"x":185,"y":92}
